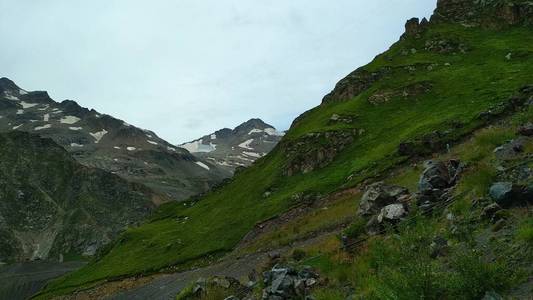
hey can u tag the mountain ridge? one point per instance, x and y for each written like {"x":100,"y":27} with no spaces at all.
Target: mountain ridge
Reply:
{"x":238,"y":147}
{"x":102,"y":141}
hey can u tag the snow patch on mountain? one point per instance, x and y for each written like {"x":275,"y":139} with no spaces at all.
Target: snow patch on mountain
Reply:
{"x":27,"y":105}
{"x":246,"y":144}
{"x":46,"y":126}
{"x":98,"y":135}
{"x":252,"y":154}
{"x":199,"y":146}
{"x":69,"y":120}
{"x":201,"y":164}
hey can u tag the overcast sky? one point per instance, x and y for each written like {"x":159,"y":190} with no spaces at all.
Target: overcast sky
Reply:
{"x":185,"y":68}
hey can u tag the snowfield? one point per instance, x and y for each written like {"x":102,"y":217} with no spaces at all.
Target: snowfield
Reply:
{"x":246,"y":144}
{"x":199,"y":146}
{"x":98,"y":135}
{"x":27,"y":105}
{"x":46,"y":126}
{"x":201,"y":164}
{"x":69,"y":120}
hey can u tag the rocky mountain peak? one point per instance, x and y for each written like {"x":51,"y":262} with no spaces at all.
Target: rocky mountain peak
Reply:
{"x":238,"y":147}
{"x":7,"y":85}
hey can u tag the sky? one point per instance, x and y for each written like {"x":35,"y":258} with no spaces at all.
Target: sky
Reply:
{"x":185,"y":68}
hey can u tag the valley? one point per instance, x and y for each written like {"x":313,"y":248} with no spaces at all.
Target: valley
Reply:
{"x":412,"y":179}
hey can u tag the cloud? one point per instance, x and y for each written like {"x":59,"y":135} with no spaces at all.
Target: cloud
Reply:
{"x":185,"y":68}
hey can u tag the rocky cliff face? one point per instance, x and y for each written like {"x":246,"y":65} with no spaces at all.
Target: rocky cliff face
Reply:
{"x":52,"y":206}
{"x":488,"y":13}
{"x":238,"y":147}
{"x":101,"y":141}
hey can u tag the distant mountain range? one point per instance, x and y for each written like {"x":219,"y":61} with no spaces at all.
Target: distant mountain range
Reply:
{"x":102,"y":141}
{"x":238,"y":147}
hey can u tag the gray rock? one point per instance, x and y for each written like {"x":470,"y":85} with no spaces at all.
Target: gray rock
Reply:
{"x":392,"y":212}
{"x":379,"y":195}
{"x":435,"y":176}
{"x":501,"y":191}
{"x":286,"y":283}
{"x":510,"y":150}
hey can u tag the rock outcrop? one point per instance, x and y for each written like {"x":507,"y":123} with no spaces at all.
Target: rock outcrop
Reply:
{"x":486,"y":13}
{"x":287,"y":283}
{"x":316,"y":150}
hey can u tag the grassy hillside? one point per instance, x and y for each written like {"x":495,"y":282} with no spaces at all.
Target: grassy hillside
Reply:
{"x":419,"y":92}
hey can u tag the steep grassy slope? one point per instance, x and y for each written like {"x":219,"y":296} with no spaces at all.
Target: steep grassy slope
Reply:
{"x":416,"y":92}
{"x":480,"y":255}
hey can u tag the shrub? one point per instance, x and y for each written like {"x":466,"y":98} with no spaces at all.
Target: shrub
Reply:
{"x":356,"y":229}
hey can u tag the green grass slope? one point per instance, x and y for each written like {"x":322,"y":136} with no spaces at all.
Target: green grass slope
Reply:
{"x":460,"y":87}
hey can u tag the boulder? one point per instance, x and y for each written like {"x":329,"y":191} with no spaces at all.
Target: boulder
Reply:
{"x":502,"y":193}
{"x":378,"y":195}
{"x":508,"y":194}
{"x":510,"y":150}
{"x":392,"y":213}
{"x":436,"y":180}
{"x":286,"y":283}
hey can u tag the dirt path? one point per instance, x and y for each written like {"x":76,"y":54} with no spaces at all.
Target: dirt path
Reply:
{"x":166,"y":287}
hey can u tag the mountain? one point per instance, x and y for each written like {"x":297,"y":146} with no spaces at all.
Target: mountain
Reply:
{"x":52,"y":206}
{"x":101,"y":141}
{"x":410,"y":180}
{"x":239,"y":147}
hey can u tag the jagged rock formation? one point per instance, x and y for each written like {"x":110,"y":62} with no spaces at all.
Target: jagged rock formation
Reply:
{"x":238,"y":147}
{"x":51,"y":206}
{"x":487,"y":13}
{"x":101,"y":141}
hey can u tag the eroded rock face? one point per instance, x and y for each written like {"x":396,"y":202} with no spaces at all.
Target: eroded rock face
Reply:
{"x":486,"y":13}
{"x":316,"y":150}
{"x":414,"y":27}
{"x":409,"y":91}
{"x":60,"y":206}
{"x":354,"y":84}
